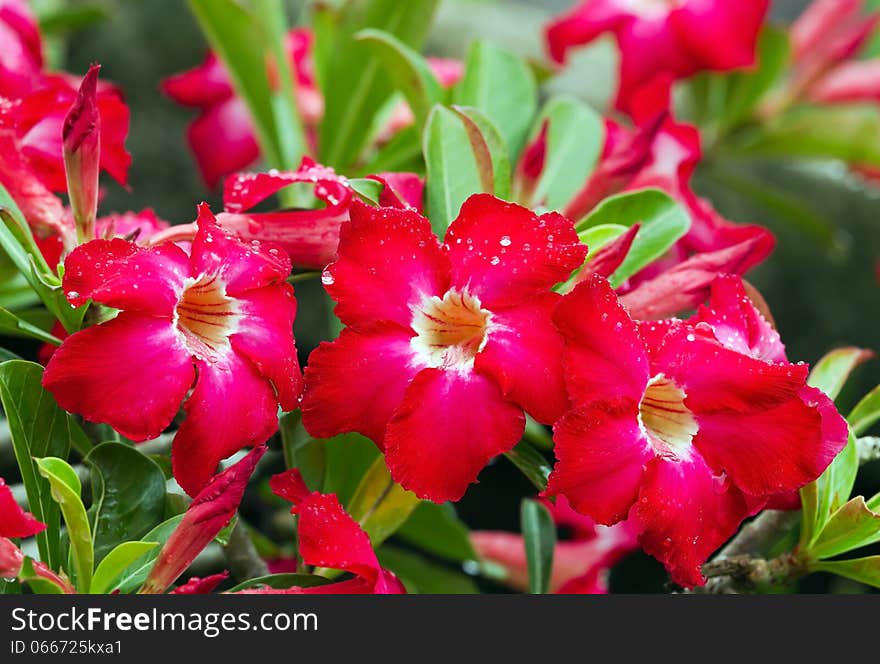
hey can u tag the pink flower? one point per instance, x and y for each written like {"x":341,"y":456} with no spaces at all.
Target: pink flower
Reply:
{"x":329,"y":537}
{"x":81,"y":137}
{"x":675,"y":38}
{"x":222,"y":138}
{"x":685,"y":428}
{"x":826,"y":39}
{"x":201,"y":586}
{"x":21,"y":58}
{"x":224,"y":311}
{"x":14,"y":522}
{"x":580,"y":563}
{"x":445,"y":345}
{"x":207,"y":515}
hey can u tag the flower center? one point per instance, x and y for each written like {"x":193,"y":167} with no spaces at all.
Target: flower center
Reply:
{"x":451,"y":330}
{"x":206,"y":316}
{"x":668,"y":423}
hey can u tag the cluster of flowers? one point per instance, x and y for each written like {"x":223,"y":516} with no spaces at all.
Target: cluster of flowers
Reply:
{"x":679,"y":429}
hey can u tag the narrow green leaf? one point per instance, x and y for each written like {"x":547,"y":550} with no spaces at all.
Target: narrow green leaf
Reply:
{"x":575,"y":136}
{"x":490,"y":151}
{"x":501,"y":85}
{"x":452,"y":174}
{"x":367,"y":189}
{"x":408,"y":70}
{"x":539,"y":533}
{"x":438,"y":530}
{"x":866,"y":412}
{"x":532,"y":463}
{"x":831,"y":372}
{"x":136,"y":572}
{"x":128,"y":495}
{"x":13,"y":325}
{"x":598,"y":236}
{"x":379,"y":504}
{"x":38,"y":428}
{"x":115,"y":563}
{"x":281,"y":582}
{"x":240,"y":42}
{"x":831,"y":491}
{"x":663,"y":221}
{"x":348,"y":459}
{"x":865,"y":570}
{"x":353,"y":78}
{"x":65,"y":490}
{"x":852,"y":526}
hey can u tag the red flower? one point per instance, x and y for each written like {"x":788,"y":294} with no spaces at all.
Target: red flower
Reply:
{"x":21,"y":58}
{"x":222,"y":138}
{"x":826,"y":39}
{"x":225,"y":311}
{"x":675,"y":38}
{"x":14,"y":522}
{"x":329,"y":537}
{"x":682,"y":432}
{"x":207,"y":515}
{"x":580,"y":563}
{"x":446,"y":345}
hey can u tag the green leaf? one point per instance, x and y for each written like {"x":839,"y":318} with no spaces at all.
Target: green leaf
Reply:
{"x":598,"y":236}
{"x":63,"y":19}
{"x":830,"y":373}
{"x":18,"y":242}
{"x":65,"y":489}
{"x":490,"y":151}
{"x":852,"y":526}
{"x":828,"y":493}
{"x":501,"y":85}
{"x":866,"y":412}
{"x":663,"y":221}
{"x":865,"y":570}
{"x":38,"y":584}
{"x":575,"y":137}
{"x":438,"y":530}
{"x":369,"y":190}
{"x":532,"y":463}
{"x":239,"y":40}
{"x":115,"y":563}
{"x":402,"y":153}
{"x":408,"y":70}
{"x":353,"y":77}
{"x":13,"y":325}
{"x":745,"y":88}
{"x":302,"y":451}
{"x":282,"y":581}
{"x":539,"y":534}
{"x":421,"y":576}
{"x":347,"y":459}
{"x":847,"y":132}
{"x":38,"y":428}
{"x":452,"y":174}
{"x":136,"y":572}
{"x":128,"y":495}
{"x":379,"y":504}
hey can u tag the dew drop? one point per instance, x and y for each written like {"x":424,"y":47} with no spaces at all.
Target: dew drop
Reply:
{"x":504,"y":241}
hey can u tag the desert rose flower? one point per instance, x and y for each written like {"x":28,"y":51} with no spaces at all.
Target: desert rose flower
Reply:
{"x":222,"y":138}
{"x":682,"y":433}
{"x":329,"y":537}
{"x":445,"y":345}
{"x":218,"y":321}
{"x":21,"y":58}
{"x":675,"y":38}
{"x":14,"y":522}
{"x":580,"y":563}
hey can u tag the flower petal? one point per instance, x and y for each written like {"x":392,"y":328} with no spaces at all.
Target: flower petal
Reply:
{"x":264,"y":335}
{"x":686,"y":513}
{"x":231,"y":407}
{"x":601,"y":454}
{"x":389,"y":260}
{"x":356,"y":382}
{"x":126,"y":276}
{"x":446,"y":430}
{"x":523,"y":353}
{"x":14,"y":521}
{"x":131,"y":372}
{"x":504,"y":253}
{"x":605,"y":356}
{"x":201,"y":586}
{"x":201,"y":86}
{"x":222,"y":140}
{"x":242,"y":267}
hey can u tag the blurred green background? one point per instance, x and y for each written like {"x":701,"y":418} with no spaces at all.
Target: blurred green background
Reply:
{"x":822,"y":294}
